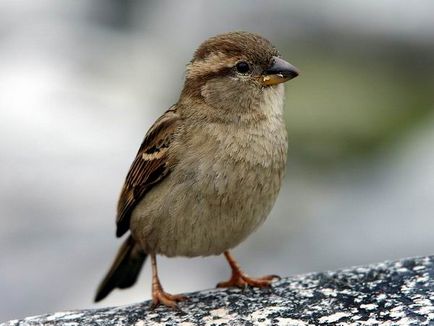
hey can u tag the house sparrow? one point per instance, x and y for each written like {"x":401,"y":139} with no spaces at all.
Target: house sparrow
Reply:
{"x":209,"y":170}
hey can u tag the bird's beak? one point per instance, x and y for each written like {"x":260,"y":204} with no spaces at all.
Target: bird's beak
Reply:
{"x":278,"y":72}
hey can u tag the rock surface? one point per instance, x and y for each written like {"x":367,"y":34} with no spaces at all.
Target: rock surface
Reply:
{"x":389,"y":293}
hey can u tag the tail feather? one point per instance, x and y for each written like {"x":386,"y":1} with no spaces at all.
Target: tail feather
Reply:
{"x":125,"y":269}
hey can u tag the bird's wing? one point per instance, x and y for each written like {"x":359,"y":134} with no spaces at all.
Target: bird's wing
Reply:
{"x":149,"y":167}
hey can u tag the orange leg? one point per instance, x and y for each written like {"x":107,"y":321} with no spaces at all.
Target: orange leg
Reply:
{"x":158,"y":294}
{"x":240,"y":279}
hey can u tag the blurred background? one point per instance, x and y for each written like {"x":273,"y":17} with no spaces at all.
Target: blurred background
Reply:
{"x":82,"y":81}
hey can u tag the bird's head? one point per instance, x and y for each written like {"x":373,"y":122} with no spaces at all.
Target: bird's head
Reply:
{"x":236,"y":69}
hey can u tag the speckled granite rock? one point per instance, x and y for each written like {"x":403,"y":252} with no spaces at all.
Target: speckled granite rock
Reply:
{"x":390,"y":293}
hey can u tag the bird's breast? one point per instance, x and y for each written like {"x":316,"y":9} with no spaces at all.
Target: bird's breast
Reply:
{"x":230,"y":180}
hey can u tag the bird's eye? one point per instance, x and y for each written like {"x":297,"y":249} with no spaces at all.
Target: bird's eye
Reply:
{"x":242,"y":67}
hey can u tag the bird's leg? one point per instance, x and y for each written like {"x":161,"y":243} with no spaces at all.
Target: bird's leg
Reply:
{"x":158,"y":294}
{"x":240,"y":279}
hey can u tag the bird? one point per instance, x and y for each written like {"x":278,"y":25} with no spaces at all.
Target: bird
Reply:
{"x":210,"y":168}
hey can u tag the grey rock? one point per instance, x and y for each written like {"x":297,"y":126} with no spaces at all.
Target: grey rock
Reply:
{"x":389,"y":293}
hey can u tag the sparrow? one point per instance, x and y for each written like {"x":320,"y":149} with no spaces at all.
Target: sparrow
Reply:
{"x":210,"y":168}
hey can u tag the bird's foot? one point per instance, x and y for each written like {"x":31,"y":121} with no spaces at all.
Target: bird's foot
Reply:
{"x":241,"y":280}
{"x":159,"y":296}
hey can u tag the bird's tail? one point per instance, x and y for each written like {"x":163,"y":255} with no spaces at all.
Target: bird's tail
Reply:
{"x":125,"y":269}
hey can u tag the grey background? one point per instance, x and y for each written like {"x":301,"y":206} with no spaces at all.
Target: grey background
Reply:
{"x":82,"y":81}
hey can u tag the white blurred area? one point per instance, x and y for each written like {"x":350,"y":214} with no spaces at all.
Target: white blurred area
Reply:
{"x":82,"y":81}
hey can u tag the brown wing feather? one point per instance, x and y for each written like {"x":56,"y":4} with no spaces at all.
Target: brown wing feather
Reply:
{"x":149,"y":167}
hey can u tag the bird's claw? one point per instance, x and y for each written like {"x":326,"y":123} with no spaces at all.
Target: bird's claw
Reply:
{"x":241,"y":280}
{"x":166,"y":299}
